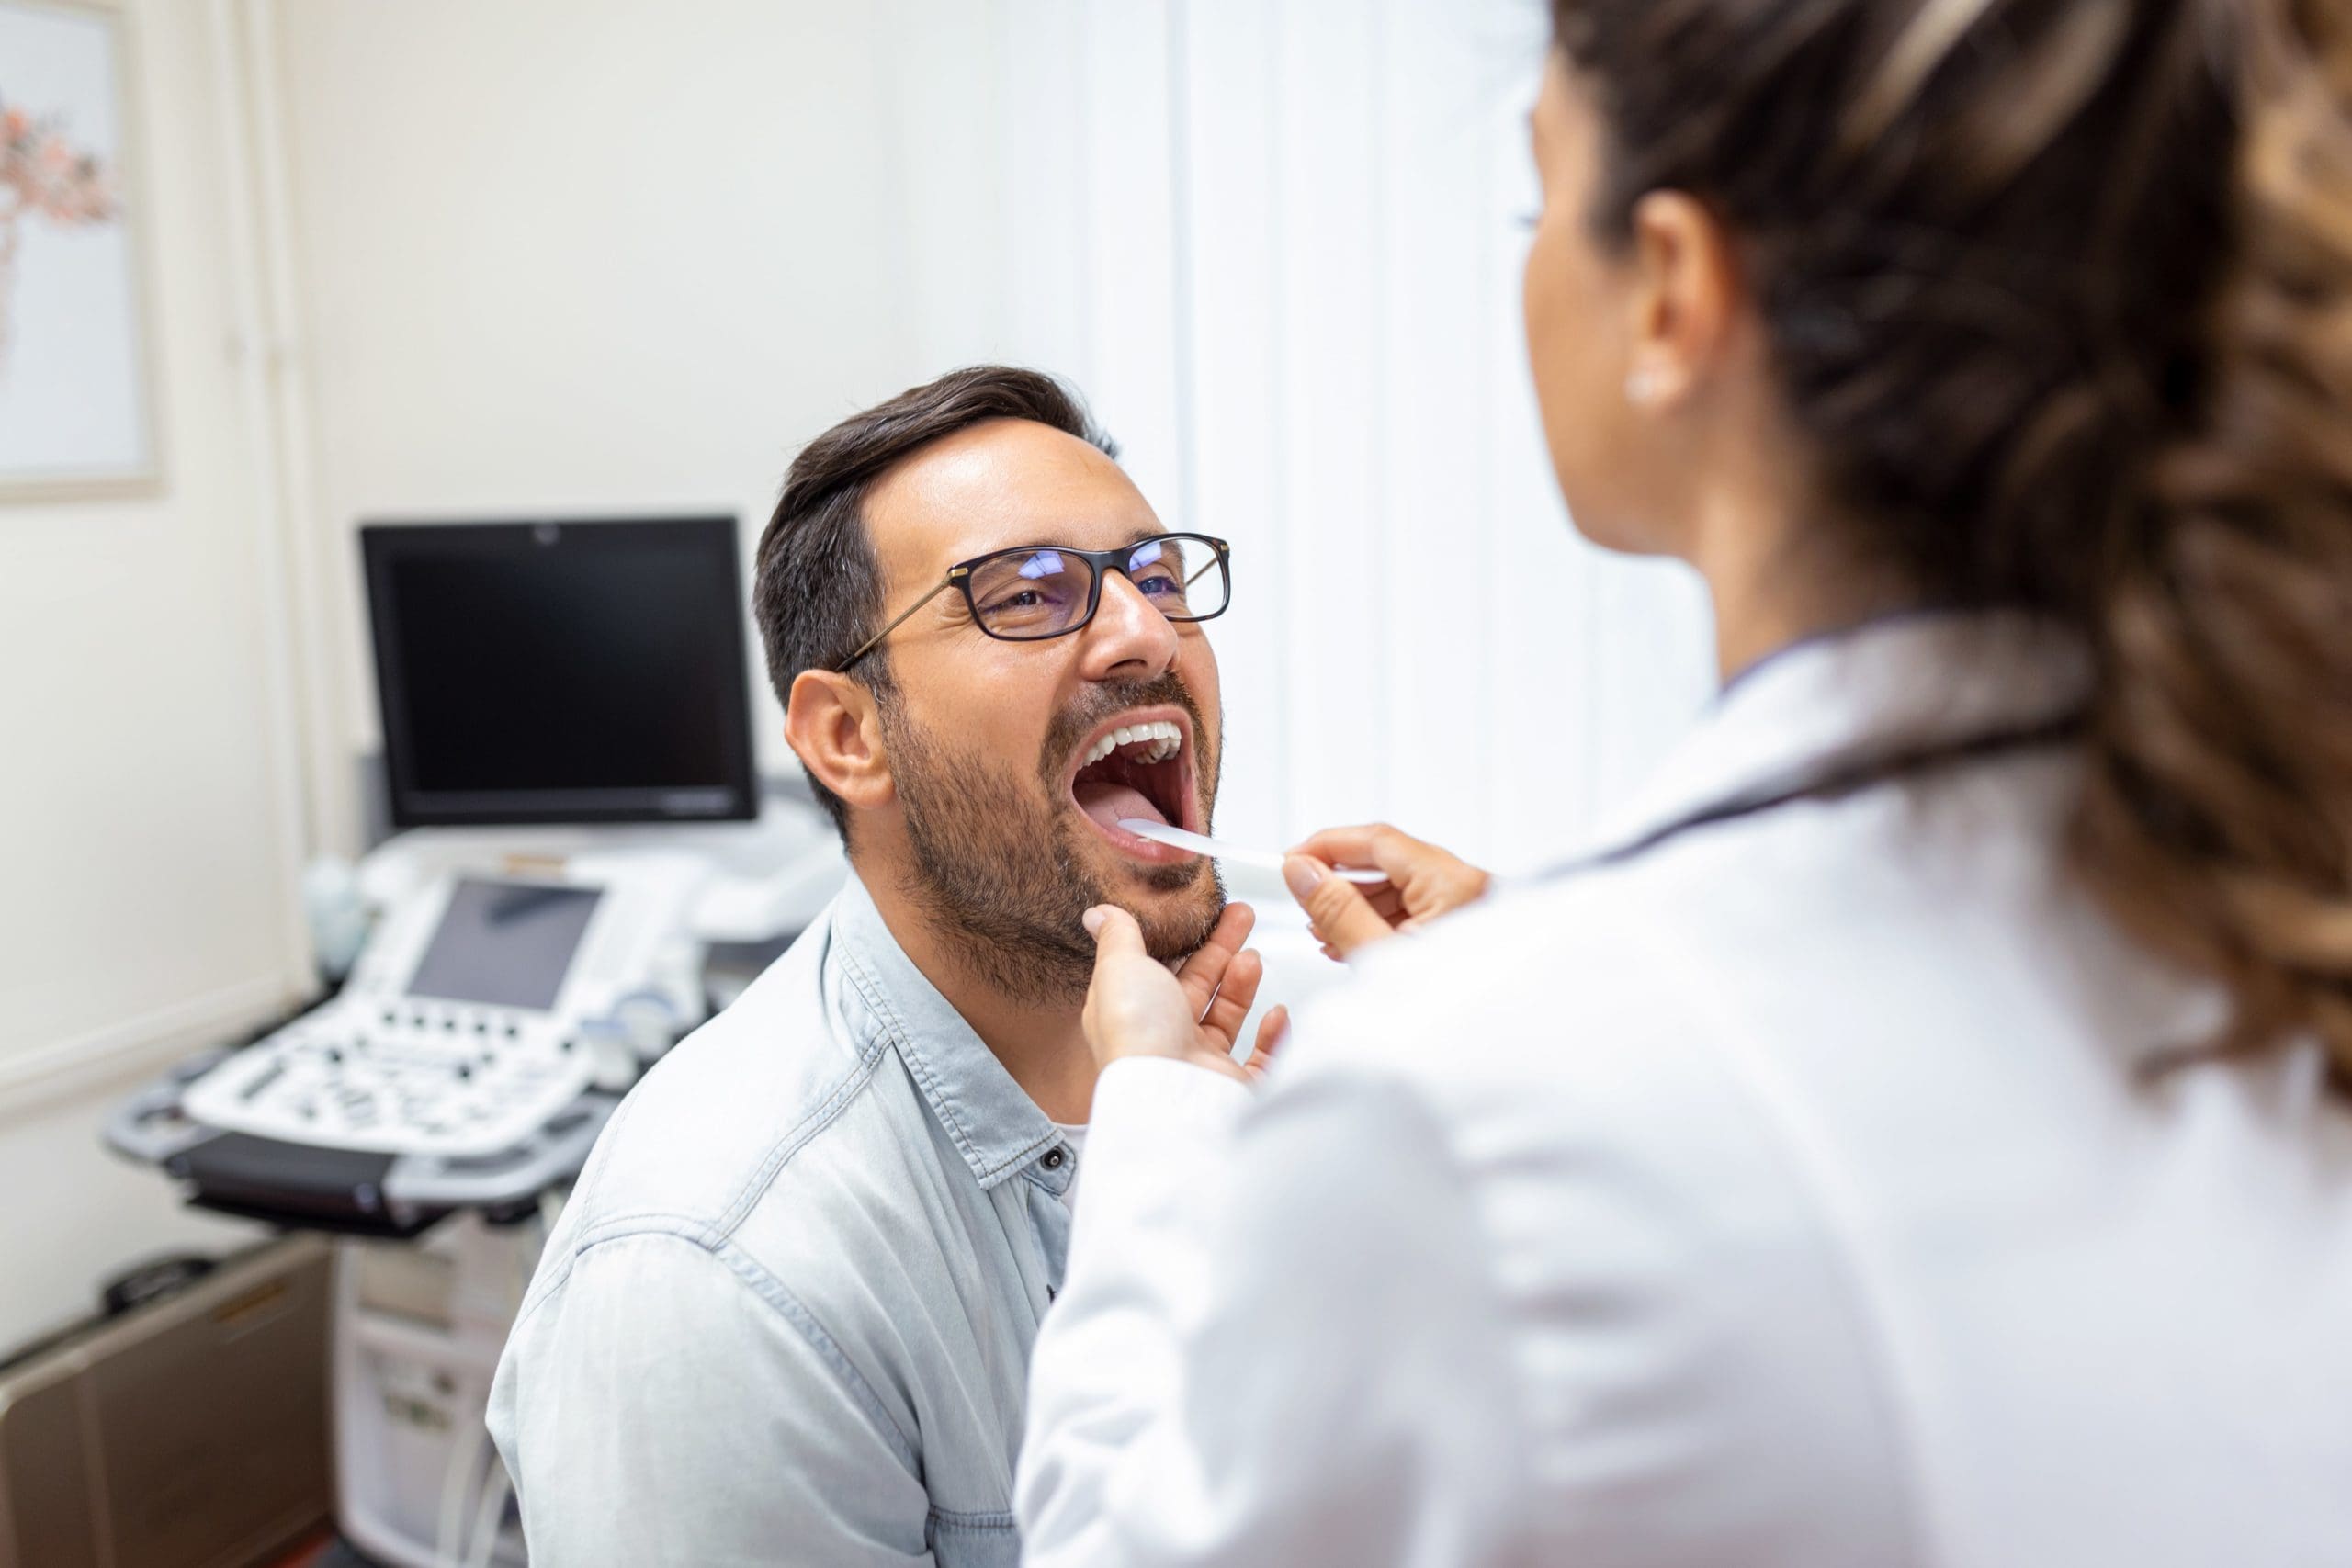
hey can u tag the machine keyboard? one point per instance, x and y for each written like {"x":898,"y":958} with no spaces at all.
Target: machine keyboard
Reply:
{"x":412,"y":1079}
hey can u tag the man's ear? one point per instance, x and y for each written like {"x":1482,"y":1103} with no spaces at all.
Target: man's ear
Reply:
{"x":832,"y":726}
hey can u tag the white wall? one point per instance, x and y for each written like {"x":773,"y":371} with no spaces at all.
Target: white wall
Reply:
{"x":148,"y":833}
{"x":584,"y":255}
{"x":81,"y":1217}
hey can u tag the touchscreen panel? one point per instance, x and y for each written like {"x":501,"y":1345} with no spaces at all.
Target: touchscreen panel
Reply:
{"x":504,"y":943}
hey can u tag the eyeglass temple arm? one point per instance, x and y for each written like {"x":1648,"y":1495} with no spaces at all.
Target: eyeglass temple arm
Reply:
{"x":1214,"y":561}
{"x":842,"y":668}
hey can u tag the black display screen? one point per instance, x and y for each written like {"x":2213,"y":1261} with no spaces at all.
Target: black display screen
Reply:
{"x":503,"y":944}
{"x":582,"y":671}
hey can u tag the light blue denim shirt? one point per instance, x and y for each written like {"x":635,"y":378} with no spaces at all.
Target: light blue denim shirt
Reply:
{"x":786,"y":1315}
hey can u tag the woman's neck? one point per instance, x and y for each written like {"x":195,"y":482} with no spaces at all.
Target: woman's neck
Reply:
{"x":1777,"y":575}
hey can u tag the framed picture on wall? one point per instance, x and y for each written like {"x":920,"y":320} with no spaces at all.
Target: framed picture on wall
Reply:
{"x":76,"y":408}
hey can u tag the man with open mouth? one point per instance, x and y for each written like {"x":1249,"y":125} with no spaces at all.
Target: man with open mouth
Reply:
{"x":786,"y":1315}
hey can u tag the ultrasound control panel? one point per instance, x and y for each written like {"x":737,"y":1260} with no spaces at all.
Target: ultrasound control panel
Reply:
{"x":476,"y":1015}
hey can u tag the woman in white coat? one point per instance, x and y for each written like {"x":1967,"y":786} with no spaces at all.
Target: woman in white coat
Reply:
{"x":1925,"y":1138}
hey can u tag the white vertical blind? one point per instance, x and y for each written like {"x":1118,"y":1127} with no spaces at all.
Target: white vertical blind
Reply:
{"x":1278,"y":243}
{"x":1228,"y":191}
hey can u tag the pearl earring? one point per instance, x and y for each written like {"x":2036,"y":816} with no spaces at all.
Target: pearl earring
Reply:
{"x":1642,"y":386}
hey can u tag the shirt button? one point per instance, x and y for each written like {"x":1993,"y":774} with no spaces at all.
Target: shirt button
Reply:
{"x":1054,"y":1158}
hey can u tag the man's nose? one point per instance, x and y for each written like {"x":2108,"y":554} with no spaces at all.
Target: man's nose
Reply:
{"x":1129,"y":639}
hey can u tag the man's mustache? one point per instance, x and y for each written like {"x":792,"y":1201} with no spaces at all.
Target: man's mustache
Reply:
{"x":1099,"y":703}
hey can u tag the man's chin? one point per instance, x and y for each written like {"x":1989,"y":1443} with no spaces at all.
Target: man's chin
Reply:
{"x":1174,"y":881}
{"x":1177,"y":906}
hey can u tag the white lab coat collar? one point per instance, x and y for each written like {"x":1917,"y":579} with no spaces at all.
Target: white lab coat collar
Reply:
{"x":1915,"y":677}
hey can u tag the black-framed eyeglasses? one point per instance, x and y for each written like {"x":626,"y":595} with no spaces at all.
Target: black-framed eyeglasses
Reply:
{"x":1035,"y":592}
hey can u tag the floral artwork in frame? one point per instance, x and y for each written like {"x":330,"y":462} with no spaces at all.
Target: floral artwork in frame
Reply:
{"x":75,"y":415}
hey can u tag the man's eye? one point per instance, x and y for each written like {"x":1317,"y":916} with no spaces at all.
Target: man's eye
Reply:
{"x":1159,"y":583}
{"x":1025,"y":599}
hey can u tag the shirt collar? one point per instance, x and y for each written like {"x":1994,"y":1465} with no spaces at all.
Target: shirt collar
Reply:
{"x":991,"y":1120}
{"x":1905,"y":680}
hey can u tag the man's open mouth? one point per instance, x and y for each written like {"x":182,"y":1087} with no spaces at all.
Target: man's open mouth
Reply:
{"x":1139,"y":766}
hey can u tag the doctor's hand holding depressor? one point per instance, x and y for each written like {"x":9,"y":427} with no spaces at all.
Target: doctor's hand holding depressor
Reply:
{"x":1424,"y":882}
{"x":1136,"y":1007}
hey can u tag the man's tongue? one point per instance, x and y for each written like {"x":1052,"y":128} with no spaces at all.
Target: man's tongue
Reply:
{"x":1107,"y":803}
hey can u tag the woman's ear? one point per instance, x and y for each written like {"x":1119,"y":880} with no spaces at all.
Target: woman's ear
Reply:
{"x":1686,"y":292}
{"x":831,"y":724}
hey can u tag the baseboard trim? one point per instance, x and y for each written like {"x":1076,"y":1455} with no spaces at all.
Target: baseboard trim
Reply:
{"x":146,"y":1043}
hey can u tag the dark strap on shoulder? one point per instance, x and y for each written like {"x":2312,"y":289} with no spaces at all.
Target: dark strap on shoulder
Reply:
{"x":1841,"y":779}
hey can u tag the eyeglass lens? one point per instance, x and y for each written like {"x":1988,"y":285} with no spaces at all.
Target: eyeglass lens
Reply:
{"x":1044,"y":592}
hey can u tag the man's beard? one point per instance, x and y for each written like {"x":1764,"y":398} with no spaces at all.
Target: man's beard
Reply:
{"x":998,"y":867}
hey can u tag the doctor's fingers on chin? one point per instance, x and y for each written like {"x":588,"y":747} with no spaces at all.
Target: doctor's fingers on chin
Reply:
{"x":1225,"y":939}
{"x":1230,"y":1007}
{"x":1209,"y":968}
{"x":1111,"y":927}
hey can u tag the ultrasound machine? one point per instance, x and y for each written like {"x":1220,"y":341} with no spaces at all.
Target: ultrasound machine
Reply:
{"x":569,"y":762}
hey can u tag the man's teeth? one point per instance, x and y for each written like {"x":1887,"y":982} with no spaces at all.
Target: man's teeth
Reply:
{"x":1165,"y":739}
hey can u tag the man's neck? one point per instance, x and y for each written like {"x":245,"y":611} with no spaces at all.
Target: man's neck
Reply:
{"x":1039,"y":1040}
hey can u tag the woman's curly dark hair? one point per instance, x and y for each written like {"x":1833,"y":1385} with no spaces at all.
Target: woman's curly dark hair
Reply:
{"x":2060,"y":293}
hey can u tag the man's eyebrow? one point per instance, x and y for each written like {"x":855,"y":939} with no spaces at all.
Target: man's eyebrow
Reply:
{"x":1136,"y":537}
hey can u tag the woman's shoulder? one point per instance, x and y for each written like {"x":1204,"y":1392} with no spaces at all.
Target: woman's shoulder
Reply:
{"x":1758,"y":931}
{"x":1575,"y":986}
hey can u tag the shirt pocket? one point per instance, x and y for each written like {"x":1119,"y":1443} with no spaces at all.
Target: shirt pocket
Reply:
{"x":973,"y":1540}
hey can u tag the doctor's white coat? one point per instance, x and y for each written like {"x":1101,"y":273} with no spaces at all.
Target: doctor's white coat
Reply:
{"x":1789,"y":1196}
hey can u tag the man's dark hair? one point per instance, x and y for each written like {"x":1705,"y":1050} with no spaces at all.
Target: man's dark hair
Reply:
{"x":818,"y":594}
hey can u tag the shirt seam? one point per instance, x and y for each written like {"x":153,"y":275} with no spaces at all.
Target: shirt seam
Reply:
{"x":799,"y":1136}
{"x":996,"y":1519}
{"x":733,"y":1214}
{"x":780,"y":1299}
{"x":805,"y":1322}
{"x":584,"y":1189}
{"x":896,"y":1033}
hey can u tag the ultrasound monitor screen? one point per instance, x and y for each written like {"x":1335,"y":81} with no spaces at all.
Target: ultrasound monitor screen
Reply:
{"x":503,"y":944}
{"x":584,"y":672}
